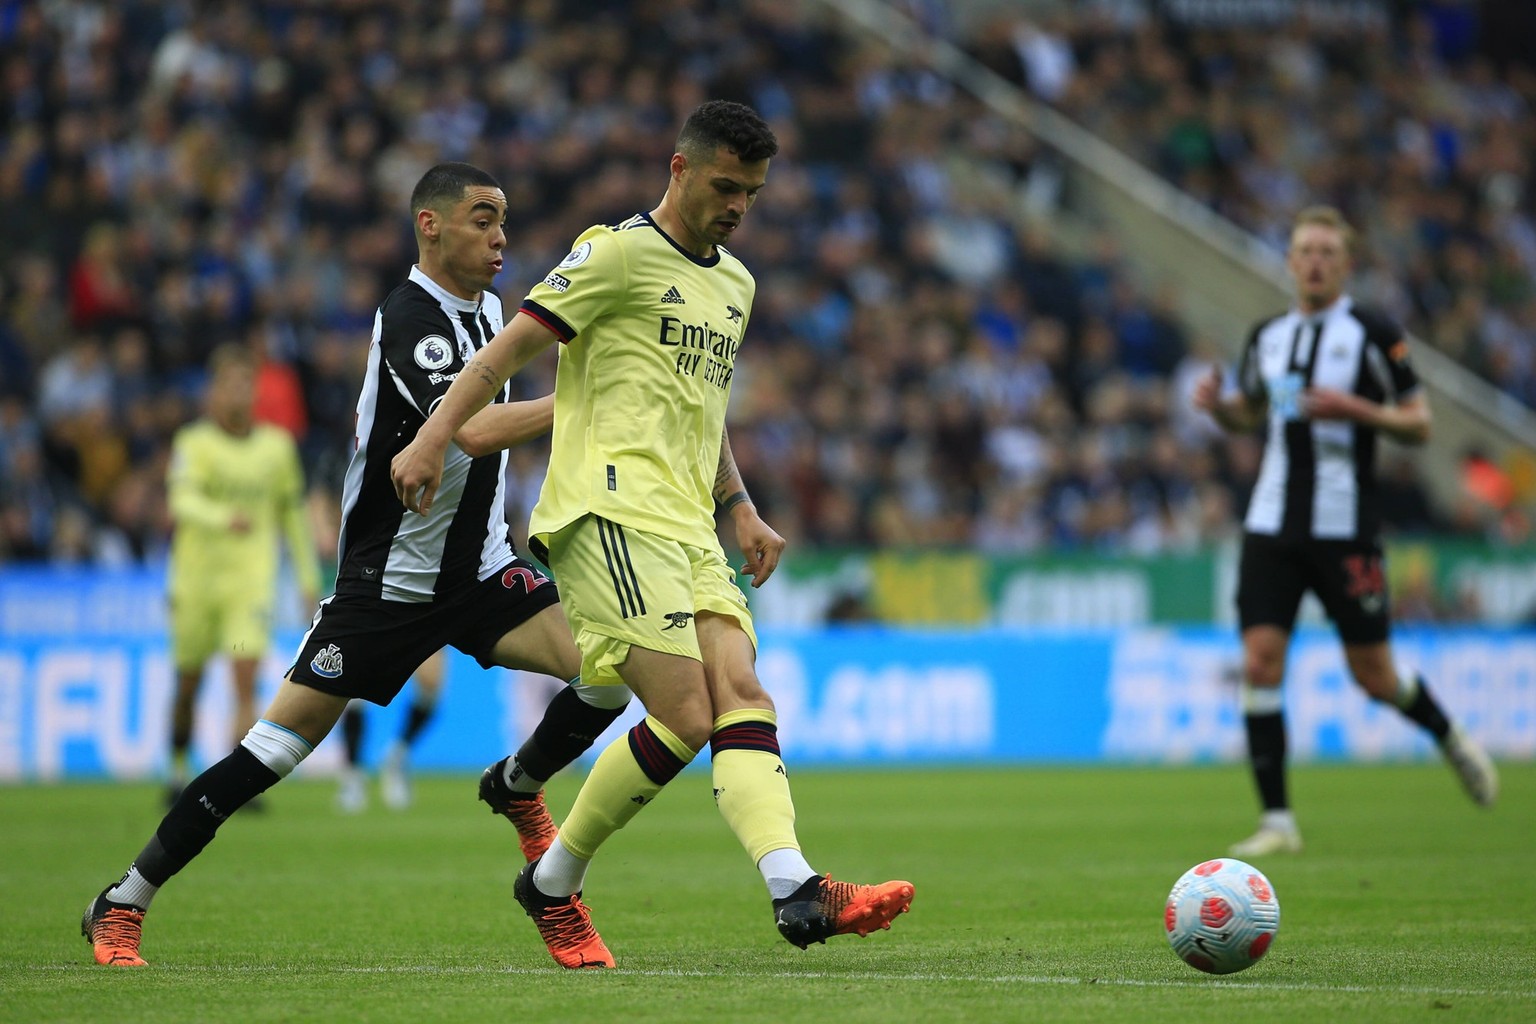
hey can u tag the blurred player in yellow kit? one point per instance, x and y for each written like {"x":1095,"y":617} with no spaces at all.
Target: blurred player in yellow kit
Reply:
{"x":234,"y":485}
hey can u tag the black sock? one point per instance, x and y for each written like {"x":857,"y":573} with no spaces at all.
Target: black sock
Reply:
{"x":1266,"y":755}
{"x":352,"y":733}
{"x":809,"y":890}
{"x":181,"y":739}
{"x":203,"y":806}
{"x":569,"y":727}
{"x":1427,"y":712}
{"x":415,"y":720}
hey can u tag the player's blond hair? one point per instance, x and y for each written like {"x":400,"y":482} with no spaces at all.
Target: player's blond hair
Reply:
{"x":1328,"y":217}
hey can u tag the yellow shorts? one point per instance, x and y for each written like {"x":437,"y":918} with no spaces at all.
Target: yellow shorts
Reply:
{"x":237,"y":625}
{"x":622,"y":587}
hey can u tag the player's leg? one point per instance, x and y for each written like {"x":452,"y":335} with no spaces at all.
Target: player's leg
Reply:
{"x":297,"y":720}
{"x":183,"y":708}
{"x":628,"y":596}
{"x":1357,"y":600}
{"x":752,"y":791}
{"x":524,"y":628}
{"x":627,"y":776}
{"x":1264,"y":649}
{"x":244,"y":632}
{"x":242,"y":673}
{"x":193,"y":636}
{"x":352,"y":790}
{"x":632,"y":770}
{"x":1376,"y":671}
{"x":1271,"y":582}
{"x":354,"y":648}
{"x":394,"y":779}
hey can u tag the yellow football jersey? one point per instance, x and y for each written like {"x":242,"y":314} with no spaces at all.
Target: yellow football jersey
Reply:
{"x":650,"y":338}
{"x":215,"y":477}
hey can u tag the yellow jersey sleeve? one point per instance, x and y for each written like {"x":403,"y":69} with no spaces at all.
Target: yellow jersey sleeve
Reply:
{"x":295,"y":518}
{"x":584,"y":287}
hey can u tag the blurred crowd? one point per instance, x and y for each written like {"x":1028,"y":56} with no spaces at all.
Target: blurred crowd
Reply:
{"x":922,"y":367}
{"x":1417,"y":119}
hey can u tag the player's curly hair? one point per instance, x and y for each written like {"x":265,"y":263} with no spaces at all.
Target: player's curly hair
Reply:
{"x":444,"y":185}
{"x":735,"y":126}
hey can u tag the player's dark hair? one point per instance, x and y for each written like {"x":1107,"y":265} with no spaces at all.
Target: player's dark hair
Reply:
{"x":735,"y":126}
{"x":445,"y":185}
{"x":230,"y":353}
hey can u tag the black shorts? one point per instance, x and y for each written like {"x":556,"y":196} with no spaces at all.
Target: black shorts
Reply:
{"x":1346,"y":575}
{"x":366,"y":647}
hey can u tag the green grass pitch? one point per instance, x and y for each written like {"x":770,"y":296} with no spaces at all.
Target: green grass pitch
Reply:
{"x":1039,"y":898}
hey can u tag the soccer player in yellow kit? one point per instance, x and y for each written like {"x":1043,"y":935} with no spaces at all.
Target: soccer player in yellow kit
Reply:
{"x":650,"y":314}
{"x":234,"y":486}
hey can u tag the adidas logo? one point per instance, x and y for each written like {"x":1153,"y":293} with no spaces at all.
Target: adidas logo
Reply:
{"x":672,"y":296}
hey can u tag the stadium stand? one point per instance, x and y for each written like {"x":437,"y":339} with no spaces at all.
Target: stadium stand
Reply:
{"x":923,"y":368}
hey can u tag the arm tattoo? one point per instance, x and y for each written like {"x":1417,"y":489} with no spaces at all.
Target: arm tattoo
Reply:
{"x":483,"y":371}
{"x":728,"y":491}
{"x":733,"y":501}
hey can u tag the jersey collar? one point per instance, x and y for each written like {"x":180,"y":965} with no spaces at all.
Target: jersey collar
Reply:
{"x":1341,"y":304}
{"x":701,"y":261}
{"x":441,"y":294}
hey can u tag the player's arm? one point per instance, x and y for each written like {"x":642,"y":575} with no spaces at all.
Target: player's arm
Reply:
{"x":187,"y":490}
{"x":1406,"y":421}
{"x":1233,"y":411}
{"x":296,"y":530}
{"x":759,"y":542}
{"x":502,"y":426}
{"x":418,"y":469}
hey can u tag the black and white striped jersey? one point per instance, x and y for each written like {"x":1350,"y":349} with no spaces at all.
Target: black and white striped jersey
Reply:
{"x":422,"y":337}
{"x":1318,"y":478}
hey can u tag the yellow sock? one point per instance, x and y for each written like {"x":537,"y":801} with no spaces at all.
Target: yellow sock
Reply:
{"x":626,"y":777}
{"x":751,"y":785}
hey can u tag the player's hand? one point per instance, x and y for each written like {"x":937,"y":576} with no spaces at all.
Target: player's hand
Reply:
{"x":1207,"y":393}
{"x":1330,"y":404}
{"x":416,"y":473}
{"x":759,"y":542}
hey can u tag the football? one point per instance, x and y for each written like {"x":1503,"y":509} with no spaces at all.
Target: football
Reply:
{"x":1221,"y":916}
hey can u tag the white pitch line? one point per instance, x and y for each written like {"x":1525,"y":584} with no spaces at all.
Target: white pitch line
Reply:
{"x":989,"y":979}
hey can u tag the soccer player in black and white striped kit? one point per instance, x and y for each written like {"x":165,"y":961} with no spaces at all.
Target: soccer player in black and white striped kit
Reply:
{"x":407,"y":584}
{"x":1323,"y":379}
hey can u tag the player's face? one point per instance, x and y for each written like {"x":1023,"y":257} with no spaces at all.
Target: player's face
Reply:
{"x":472,"y":235}
{"x":1319,"y":263}
{"x":232,"y":395}
{"x":714,"y":196}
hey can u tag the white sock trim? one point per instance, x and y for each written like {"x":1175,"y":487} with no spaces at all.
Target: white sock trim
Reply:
{"x":1407,"y":688}
{"x":133,"y":890}
{"x":1281,"y":820}
{"x":1261,"y":700}
{"x":607,"y":695}
{"x":559,"y":872}
{"x":784,"y":871}
{"x":279,"y":748}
